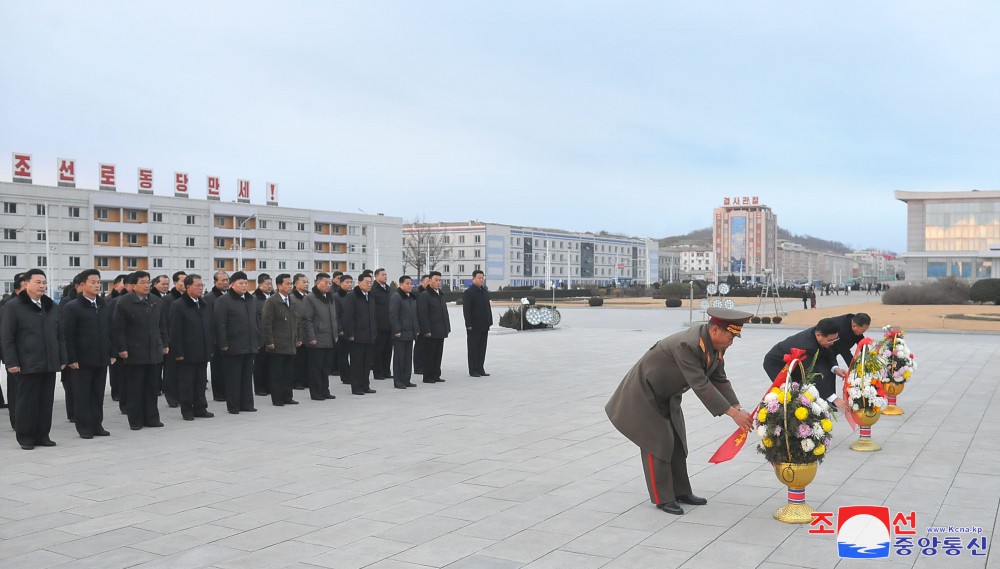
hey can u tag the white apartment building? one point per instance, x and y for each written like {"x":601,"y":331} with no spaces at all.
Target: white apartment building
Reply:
{"x":65,"y":230}
{"x":527,"y":256}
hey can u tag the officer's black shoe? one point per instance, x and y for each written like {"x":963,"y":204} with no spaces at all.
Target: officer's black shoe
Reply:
{"x":692,"y":499}
{"x":671,"y":508}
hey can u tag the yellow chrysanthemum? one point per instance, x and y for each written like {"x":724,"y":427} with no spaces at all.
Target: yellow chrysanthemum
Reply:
{"x":786,"y":397}
{"x":762,"y":416}
{"x":809,"y":396}
{"x":906,"y":374}
{"x":827,"y":425}
{"x":767,"y":442}
{"x":801,"y":413}
{"x":775,"y":390}
{"x":819,"y":450}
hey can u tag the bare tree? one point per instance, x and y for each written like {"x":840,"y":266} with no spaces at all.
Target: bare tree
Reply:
{"x":424,"y":246}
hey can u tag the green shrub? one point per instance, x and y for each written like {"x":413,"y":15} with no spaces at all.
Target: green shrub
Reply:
{"x":765,"y":319}
{"x":595,"y":301}
{"x":985,"y":290}
{"x":755,"y":320}
{"x":673,"y":302}
{"x":948,"y":290}
{"x":776,"y":320}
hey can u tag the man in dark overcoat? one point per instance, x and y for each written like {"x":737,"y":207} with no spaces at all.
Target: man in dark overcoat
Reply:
{"x":405,"y":328}
{"x":646,"y":407}
{"x":478,"y":319}
{"x":261,"y":362}
{"x":852,"y":328}
{"x":343,"y":350}
{"x":192,"y":345}
{"x":360,"y":329}
{"x":382,"y":349}
{"x":318,"y":316}
{"x":435,"y":325}
{"x":237,"y":337}
{"x":19,"y":281}
{"x":818,"y":343}
{"x":279,"y":322}
{"x":87,"y":329}
{"x":139,"y":333}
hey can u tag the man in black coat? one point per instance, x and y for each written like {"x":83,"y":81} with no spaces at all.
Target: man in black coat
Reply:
{"x":319,"y":336}
{"x":139,"y":333}
{"x":300,"y":288}
{"x":343,"y":349}
{"x":852,"y":329}
{"x":360,"y":329}
{"x":418,"y":344}
{"x":169,"y":386}
{"x":19,"y":281}
{"x":237,"y":336}
{"x":435,"y":325}
{"x":261,"y":363}
{"x":405,"y":328}
{"x":192,"y":344}
{"x":220,"y":286}
{"x":116,"y":372}
{"x":478,"y":319}
{"x":34,"y":351}
{"x":86,"y":325}
{"x":382,"y":349}
{"x":818,"y":343}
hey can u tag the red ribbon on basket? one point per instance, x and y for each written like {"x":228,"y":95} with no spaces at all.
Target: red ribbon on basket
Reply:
{"x":734,"y":443}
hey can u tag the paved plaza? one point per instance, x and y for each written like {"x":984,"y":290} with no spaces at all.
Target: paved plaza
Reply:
{"x":518,"y":470}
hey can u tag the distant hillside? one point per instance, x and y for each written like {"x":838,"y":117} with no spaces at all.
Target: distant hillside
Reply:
{"x":807,"y":241}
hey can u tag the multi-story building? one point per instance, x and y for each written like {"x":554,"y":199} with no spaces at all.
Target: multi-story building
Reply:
{"x":65,"y":230}
{"x":526,"y":256}
{"x":953,"y":234}
{"x":795,"y":263}
{"x":744,"y":237}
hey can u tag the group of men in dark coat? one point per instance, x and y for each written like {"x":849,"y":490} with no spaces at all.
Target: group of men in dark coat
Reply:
{"x":157,"y":339}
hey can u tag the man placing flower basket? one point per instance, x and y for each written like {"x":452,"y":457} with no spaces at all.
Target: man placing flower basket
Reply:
{"x":794,"y":425}
{"x":899,"y":368}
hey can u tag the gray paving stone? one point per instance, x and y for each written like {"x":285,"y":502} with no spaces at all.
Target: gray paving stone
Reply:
{"x":361,"y":553}
{"x":444,"y":550}
{"x":35,"y":560}
{"x":526,"y":546}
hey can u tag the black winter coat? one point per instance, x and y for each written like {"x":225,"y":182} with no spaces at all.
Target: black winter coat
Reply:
{"x":381,"y":297}
{"x":32,"y":337}
{"x":192,"y":330}
{"x":139,"y":328}
{"x":432,"y":311}
{"x":87,"y":332}
{"x":847,"y":338}
{"x":403,"y":316}
{"x":476,"y":308}
{"x":236,"y":330}
{"x":359,"y":317}
{"x":805,"y":340}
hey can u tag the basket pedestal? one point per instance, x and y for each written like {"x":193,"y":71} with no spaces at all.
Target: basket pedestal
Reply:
{"x":891,"y":391}
{"x":796,"y":477}
{"x":865,"y":419}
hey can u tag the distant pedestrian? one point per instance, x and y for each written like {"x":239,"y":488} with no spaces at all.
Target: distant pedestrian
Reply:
{"x":478,"y":318}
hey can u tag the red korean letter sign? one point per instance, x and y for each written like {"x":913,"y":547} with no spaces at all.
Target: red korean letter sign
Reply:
{"x":180,"y":184}
{"x":272,"y":193}
{"x":107,"y":177}
{"x":243,"y":191}
{"x":213,"y":187}
{"x":66,"y":173}
{"x":145,"y":180}
{"x":22,"y":168}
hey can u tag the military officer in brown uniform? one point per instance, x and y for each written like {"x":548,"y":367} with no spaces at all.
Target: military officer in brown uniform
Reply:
{"x":646,"y":407}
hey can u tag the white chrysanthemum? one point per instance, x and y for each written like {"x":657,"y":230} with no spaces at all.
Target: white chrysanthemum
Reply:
{"x":808,"y":445}
{"x":761,"y":431}
{"x":818,"y":428}
{"x":771,"y":397}
{"x":811,"y":390}
{"x":815,"y":408}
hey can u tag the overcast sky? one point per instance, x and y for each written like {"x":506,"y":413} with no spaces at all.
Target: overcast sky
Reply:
{"x":634,"y":117}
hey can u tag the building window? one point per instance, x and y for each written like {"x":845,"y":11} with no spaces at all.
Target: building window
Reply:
{"x":352,"y":230}
{"x":192,"y":219}
{"x":10,"y":260}
{"x":40,"y":235}
{"x":10,"y":234}
{"x":131,"y":262}
{"x":318,"y":227}
{"x":262,"y":244}
{"x":9,"y":207}
{"x":74,"y":261}
{"x":157,"y":217}
{"x":318,"y":266}
{"x":302,"y":227}
{"x":461,"y":253}
{"x":446,"y":269}
{"x":302,"y":265}
{"x":479,"y":239}
{"x":39,"y":209}
{"x":282,"y":226}
{"x":364,"y":248}
{"x":263,"y":224}
{"x":220,"y":242}
{"x":478,"y":267}
{"x":189,"y":241}
{"x":101,"y":213}
{"x":74,"y":236}
{"x":461,"y":269}
{"x":302,"y":245}
{"x":102,"y":237}
{"x":263,"y":265}
{"x":189,"y":263}
{"x":220,"y":221}
{"x":157,"y":240}
{"x":220,"y":263}
{"x":132,"y":238}
{"x":282,"y":265}
{"x":157,"y":263}
{"x":477,"y":253}
{"x":131,"y":215}
{"x":319,"y":247}
{"x":73,"y":211}
{"x":102,"y":262}
{"x":281,"y":245}
{"x":461,"y":239}
{"x":352,"y":248}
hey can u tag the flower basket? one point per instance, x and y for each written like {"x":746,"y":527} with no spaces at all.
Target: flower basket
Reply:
{"x":794,"y":426}
{"x":864,"y":392}
{"x":900,"y":365}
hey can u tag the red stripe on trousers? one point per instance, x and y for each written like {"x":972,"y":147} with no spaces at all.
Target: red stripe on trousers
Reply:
{"x":652,"y":478}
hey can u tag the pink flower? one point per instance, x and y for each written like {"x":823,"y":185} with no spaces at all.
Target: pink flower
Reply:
{"x":805,"y":430}
{"x":772,"y":406}
{"x":777,"y":430}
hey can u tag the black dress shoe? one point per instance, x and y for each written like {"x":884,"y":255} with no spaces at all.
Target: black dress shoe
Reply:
{"x":329,"y":396}
{"x":219,"y":400}
{"x":671,"y":508}
{"x":204,"y":414}
{"x":46,"y":443}
{"x":28,"y":447}
{"x":430,"y":381}
{"x":231,"y":412}
{"x":484,"y":374}
{"x":277,"y":404}
{"x":369,"y":391}
{"x":379,"y":378}
{"x":291,"y":402}
{"x":86,"y":436}
{"x":156,"y":424}
{"x":389,"y":376}
{"x":298,"y":387}
{"x":692,"y":499}
{"x":187,"y":417}
{"x":3,"y":405}
{"x":411,"y":384}
{"x":251,"y":410}
{"x":135,"y":427}
{"x":399,"y":386}
{"x":357,"y":392}
{"x":261,"y":393}
{"x":320,"y":398}
{"x":474,"y":375}
{"x":102,"y":433}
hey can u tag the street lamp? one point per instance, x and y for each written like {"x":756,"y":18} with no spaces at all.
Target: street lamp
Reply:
{"x":239,"y":266}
